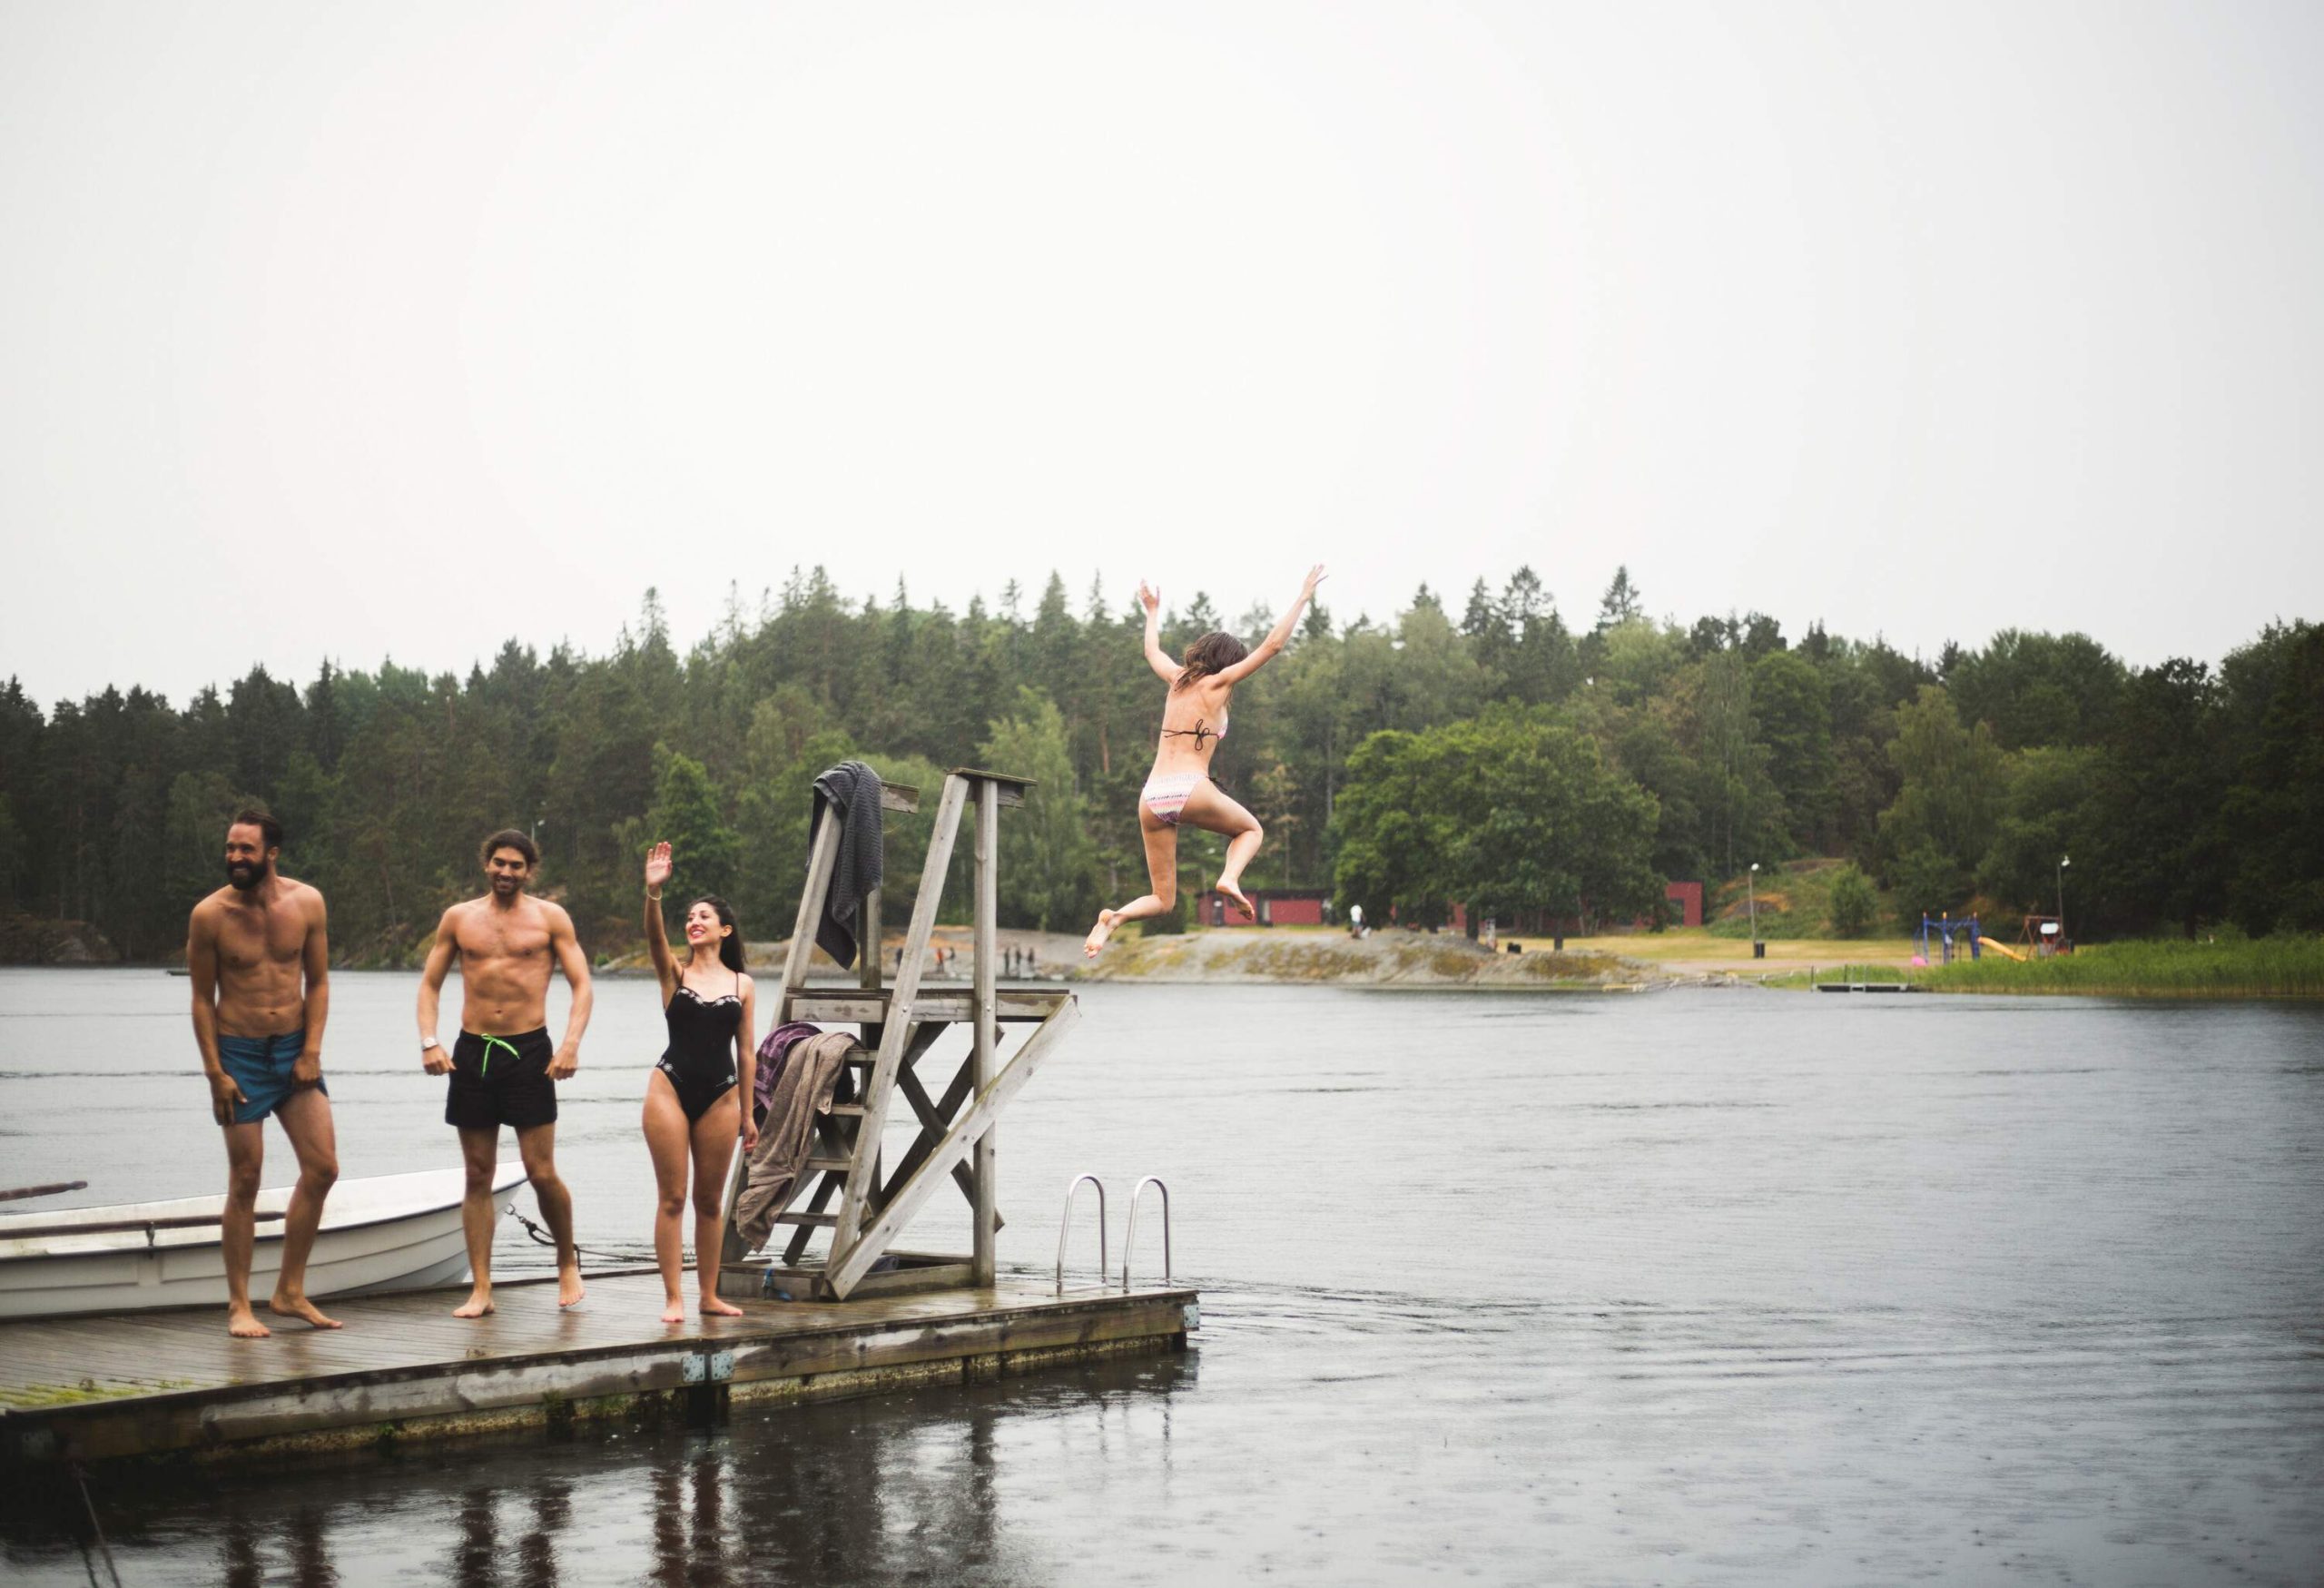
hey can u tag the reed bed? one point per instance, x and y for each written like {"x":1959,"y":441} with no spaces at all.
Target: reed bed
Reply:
{"x":2270,"y":967}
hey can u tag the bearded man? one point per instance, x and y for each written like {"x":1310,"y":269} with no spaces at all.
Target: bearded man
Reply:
{"x":260,"y":968}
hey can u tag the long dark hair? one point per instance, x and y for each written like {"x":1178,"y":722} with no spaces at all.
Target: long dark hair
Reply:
{"x":1213,"y":653}
{"x":729,"y":947}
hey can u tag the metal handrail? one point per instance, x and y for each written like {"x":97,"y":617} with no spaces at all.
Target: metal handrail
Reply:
{"x":1129,"y":1236}
{"x":1065,"y":1229}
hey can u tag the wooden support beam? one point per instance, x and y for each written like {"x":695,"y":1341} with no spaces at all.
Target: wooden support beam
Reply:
{"x":897,"y":1033}
{"x":851,"y":1264}
{"x":820,"y":862}
{"x":1009,"y":788}
{"x":935,"y":1118}
{"x":1013,"y":1005}
{"x":987,"y":950}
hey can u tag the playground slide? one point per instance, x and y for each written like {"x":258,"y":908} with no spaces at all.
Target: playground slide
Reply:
{"x":1993,"y":947}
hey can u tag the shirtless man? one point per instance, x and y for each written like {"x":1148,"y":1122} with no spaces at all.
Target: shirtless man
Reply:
{"x":262,"y":988}
{"x":502,"y":1068}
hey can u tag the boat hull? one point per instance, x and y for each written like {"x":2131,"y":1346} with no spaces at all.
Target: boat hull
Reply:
{"x":393,"y":1232}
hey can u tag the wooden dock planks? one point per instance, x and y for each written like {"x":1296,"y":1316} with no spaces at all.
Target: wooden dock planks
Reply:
{"x":151,"y":1384}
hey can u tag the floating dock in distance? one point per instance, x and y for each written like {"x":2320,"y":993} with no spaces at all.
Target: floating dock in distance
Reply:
{"x":1864,"y":986}
{"x":164,"y":1384}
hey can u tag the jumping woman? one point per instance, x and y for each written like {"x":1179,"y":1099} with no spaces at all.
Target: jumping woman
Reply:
{"x":1178,"y":789}
{"x":697,"y":1099}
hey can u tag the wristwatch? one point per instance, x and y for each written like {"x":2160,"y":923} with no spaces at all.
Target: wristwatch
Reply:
{"x":428,"y":1042}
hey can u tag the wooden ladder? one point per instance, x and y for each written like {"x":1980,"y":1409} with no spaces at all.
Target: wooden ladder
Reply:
{"x":899,"y":1025}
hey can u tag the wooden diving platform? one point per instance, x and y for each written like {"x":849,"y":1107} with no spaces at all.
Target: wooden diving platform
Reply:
{"x":175,"y":1383}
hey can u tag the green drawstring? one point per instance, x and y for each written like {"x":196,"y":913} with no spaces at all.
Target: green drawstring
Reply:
{"x":489,"y":1044}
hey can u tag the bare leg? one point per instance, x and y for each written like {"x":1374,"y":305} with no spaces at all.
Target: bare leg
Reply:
{"x":306,"y":1120}
{"x":245,"y":1155}
{"x":714,"y":1150}
{"x":1214,"y":812}
{"x":537,"y":1144}
{"x":479,"y":1155}
{"x":665,"y":1141}
{"x":1161,"y":872}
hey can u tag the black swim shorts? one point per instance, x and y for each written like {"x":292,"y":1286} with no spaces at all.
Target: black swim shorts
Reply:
{"x":501,"y":1080}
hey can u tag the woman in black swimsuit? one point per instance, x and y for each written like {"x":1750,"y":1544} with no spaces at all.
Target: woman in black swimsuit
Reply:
{"x":694,"y":1099}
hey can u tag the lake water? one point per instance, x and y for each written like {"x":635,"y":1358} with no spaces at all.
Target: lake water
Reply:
{"x":1698,"y":1286}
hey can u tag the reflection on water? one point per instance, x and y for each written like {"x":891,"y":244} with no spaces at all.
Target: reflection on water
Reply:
{"x":1705,"y":1287}
{"x":906,"y":1489}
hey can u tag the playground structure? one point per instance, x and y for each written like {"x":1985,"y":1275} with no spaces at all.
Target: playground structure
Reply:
{"x":1949,"y":936}
{"x":2043,"y":936}
{"x":901,"y":1024}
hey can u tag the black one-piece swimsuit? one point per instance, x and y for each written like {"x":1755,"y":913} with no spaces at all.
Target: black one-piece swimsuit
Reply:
{"x":700,"y":1059}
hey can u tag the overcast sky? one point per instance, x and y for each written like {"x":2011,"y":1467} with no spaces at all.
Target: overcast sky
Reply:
{"x":356,"y":330}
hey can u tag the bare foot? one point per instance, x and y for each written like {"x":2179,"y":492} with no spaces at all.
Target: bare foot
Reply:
{"x":243,"y":1325}
{"x":1106,"y":921}
{"x":299,"y":1306}
{"x":570,"y":1290}
{"x":675,"y":1312}
{"x":713,"y":1307}
{"x":480,"y":1302}
{"x":1235,"y":897}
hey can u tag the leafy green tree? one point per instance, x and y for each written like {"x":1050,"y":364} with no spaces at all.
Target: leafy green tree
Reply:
{"x":2276,"y":810}
{"x":2052,"y":810}
{"x":2038,"y":688}
{"x":1045,"y":853}
{"x":688,"y":815}
{"x":1928,"y":882}
{"x":1853,"y":904}
{"x":1948,"y":807}
{"x":1513,"y":813}
{"x":1393,"y":844}
{"x":1791,"y":710}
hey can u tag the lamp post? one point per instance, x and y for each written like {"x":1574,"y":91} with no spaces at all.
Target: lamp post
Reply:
{"x":1751,"y":892}
{"x":2063,"y":861}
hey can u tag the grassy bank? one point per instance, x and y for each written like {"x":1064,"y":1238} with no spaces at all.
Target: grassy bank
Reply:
{"x":2275,"y":967}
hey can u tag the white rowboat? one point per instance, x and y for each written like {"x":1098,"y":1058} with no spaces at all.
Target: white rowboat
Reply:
{"x":385,"y":1232}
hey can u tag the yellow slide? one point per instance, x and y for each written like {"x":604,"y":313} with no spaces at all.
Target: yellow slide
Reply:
{"x":1995,"y":946}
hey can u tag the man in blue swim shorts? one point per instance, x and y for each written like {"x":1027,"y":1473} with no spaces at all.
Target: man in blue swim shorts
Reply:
{"x":261,"y":966}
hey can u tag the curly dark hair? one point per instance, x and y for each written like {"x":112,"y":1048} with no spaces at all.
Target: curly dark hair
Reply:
{"x":511,"y":838}
{"x":1213,"y":653}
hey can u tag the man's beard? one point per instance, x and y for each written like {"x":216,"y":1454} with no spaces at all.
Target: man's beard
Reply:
{"x":507,"y":886}
{"x":244,"y":875}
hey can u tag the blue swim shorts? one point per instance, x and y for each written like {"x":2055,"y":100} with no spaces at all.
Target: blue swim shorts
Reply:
{"x":261,"y":1066}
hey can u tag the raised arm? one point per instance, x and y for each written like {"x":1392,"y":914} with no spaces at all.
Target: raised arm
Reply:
{"x":1279,"y":636}
{"x":566,"y":947}
{"x":1156,"y":656}
{"x":434,"y":1056}
{"x":747,"y":1063}
{"x":316,"y":962}
{"x":201,"y":969}
{"x":657,"y":929}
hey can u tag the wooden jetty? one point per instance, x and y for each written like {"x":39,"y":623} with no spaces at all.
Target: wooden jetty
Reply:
{"x":856,"y":1317}
{"x":175,"y":1382}
{"x":1864,"y":987}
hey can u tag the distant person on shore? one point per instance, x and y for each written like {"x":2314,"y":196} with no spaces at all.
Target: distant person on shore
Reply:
{"x":697,"y":1096}
{"x":260,"y":968}
{"x":503,"y":1067}
{"x":1178,"y":789}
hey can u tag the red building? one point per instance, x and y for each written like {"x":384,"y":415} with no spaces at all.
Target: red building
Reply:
{"x":1276,"y":907}
{"x":1689,"y":898}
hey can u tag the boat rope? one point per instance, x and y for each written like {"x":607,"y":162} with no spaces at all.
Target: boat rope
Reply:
{"x":81,"y":1479}
{"x":542,"y":1237}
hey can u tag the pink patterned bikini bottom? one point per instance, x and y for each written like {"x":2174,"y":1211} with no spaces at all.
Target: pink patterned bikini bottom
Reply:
{"x":1166,"y":793}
